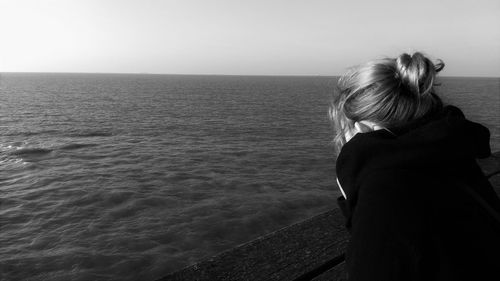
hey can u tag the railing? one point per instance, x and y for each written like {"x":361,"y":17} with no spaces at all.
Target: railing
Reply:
{"x":310,"y":250}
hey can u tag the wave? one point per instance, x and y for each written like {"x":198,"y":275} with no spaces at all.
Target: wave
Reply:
{"x":91,"y":134}
{"x":73,"y":146}
{"x":38,"y":151}
{"x":31,"y":151}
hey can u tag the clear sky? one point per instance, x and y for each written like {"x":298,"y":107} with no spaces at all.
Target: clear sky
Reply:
{"x":268,"y":37}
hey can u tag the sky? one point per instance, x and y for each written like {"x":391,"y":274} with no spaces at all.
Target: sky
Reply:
{"x":252,"y":37}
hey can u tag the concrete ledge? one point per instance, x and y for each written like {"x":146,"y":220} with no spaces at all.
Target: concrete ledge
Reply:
{"x":286,"y":254}
{"x":491,"y":168}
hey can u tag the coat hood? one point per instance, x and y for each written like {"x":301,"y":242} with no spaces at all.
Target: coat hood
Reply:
{"x":441,"y":143}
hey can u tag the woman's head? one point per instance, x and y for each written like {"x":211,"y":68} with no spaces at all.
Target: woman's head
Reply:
{"x":388,"y":92}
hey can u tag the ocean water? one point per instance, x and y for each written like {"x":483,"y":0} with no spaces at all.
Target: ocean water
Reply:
{"x":130,"y":177}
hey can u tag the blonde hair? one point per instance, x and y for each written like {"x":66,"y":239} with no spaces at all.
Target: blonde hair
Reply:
{"x":389,"y":92}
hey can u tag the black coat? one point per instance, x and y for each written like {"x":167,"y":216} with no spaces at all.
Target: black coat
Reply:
{"x":407,"y":216}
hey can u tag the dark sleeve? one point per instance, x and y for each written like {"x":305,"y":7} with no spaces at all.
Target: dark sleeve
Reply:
{"x":481,"y":139}
{"x":386,"y":225}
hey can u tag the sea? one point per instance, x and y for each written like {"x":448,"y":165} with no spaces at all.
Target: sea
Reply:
{"x":133,"y":176}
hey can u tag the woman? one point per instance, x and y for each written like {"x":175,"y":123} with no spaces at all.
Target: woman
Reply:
{"x":418,"y":206}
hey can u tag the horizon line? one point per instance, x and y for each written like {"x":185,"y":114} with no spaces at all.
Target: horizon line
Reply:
{"x":213,"y":74}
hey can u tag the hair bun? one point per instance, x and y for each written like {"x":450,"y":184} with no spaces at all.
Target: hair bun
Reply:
{"x":417,"y":72}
